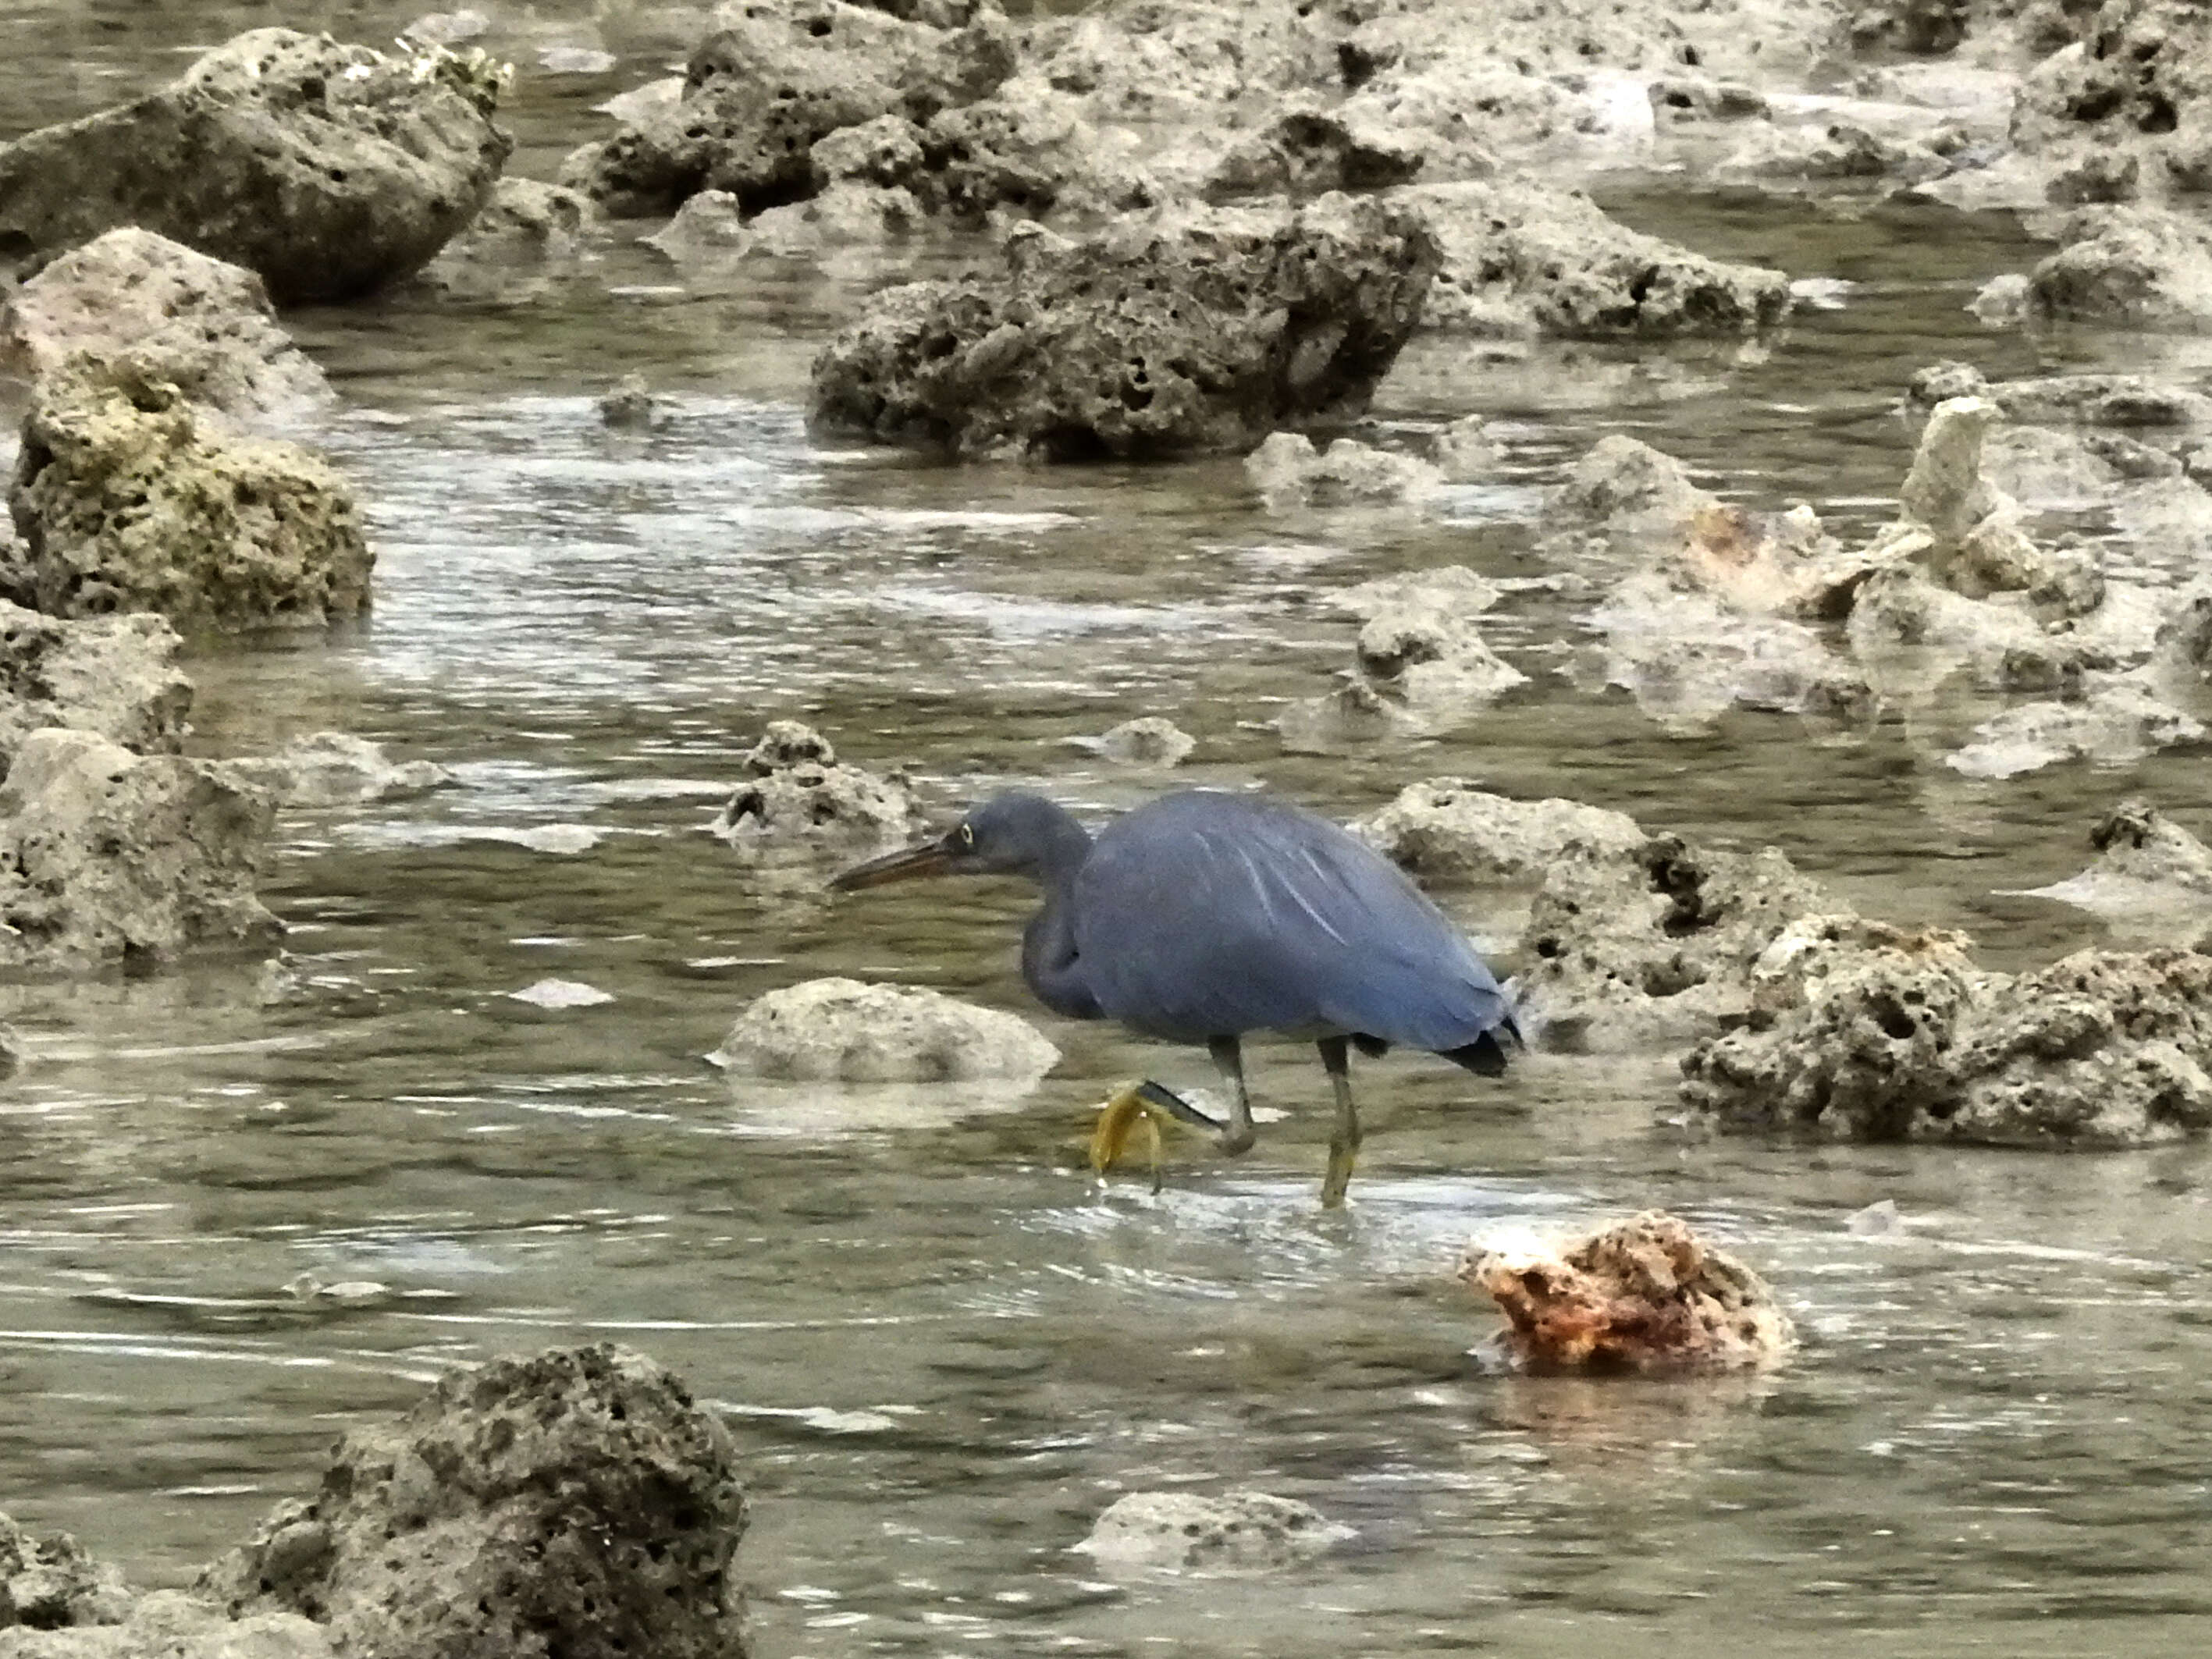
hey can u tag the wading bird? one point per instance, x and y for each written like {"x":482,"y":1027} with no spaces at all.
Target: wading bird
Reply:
{"x":1204,"y":915}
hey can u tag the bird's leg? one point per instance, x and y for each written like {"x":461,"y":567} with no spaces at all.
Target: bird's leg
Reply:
{"x":1229,"y":1060}
{"x":1344,"y":1144}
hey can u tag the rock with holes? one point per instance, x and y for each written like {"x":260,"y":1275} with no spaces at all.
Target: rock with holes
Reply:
{"x":1027,"y":151}
{"x":1190,"y":332}
{"x":1447,"y":831}
{"x":108,"y":857}
{"x":1525,"y":258}
{"x":171,"y":1624}
{"x":129,"y":499}
{"x":330,"y":170}
{"x":1310,"y":148}
{"x":1434,"y":663}
{"x":579,"y":1503}
{"x":842,"y":1030}
{"x":1848,"y":1036}
{"x":798,"y":795}
{"x":526,"y":234}
{"x":1866,"y":1033}
{"x":759,"y":95}
{"x":1234,"y":1533}
{"x":113,"y":676}
{"x":202,"y":324}
{"x":1646,"y":1297}
{"x":1653,"y":943}
{"x":52,"y":1583}
{"x":2131,"y":99}
{"x":2105,"y":1048}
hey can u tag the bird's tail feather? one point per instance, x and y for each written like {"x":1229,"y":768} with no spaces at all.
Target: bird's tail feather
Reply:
{"x":1485,"y":1055}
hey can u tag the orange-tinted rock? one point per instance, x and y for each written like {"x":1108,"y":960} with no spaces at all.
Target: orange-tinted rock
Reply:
{"x":1646,"y":1295}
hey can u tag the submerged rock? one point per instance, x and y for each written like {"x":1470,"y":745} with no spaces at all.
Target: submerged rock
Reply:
{"x":1523,"y":257}
{"x":2115,"y":719}
{"x":842,"y":1030}
{"x":1149,"y":740}
{"x":171,"y":1624}
{"x":799,"y":795}
{"x":113,"y":676}
{"x":526,"y":230}
{"x":580,"y":1502}
{"x":1238,"y":1532}
{"x":52,"y":1583}
{"x":1190,"y":333}
{"x":128,"y":499}
{"x":1289,"y":471}
{"x":108,"y":857}
{"x":1435,"y":664}
{"x":177,"y":315}
{"x":336,"y":769}
{"x":1445,"y":830}
{"x":1635,"y":947}
{"x":330,"y":170}
{"x":2151,"y":877}
{"x":1645,"y":1297}
{"x":2135,"y":267}
{"x":629,"y":405}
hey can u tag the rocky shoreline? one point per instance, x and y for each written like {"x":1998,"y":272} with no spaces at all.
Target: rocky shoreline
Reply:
{"x":1188,"y":230}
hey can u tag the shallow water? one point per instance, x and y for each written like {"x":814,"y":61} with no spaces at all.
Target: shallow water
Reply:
{"x":942,"y":1348}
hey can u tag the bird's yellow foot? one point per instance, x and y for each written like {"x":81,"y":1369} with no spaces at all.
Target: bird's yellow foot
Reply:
{"x":1139,"y":1108}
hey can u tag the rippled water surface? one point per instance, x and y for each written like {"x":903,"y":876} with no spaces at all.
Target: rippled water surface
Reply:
{"x":942,"y":1346}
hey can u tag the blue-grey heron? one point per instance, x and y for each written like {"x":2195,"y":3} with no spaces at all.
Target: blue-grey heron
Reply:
{"x":1203,"y":915}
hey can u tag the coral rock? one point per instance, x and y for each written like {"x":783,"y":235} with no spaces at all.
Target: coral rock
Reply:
{"x":1647,"y":1297}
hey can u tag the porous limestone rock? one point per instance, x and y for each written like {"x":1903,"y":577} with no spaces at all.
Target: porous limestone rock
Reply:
{"x":1236,"y":1532}
{"x":1435,"y":663}
{"x":1850,"y":1025}
{"x":108,"y":857}
{"x":2151,"y":877}
{"x":527,"y":231}
{"x":798,"y":794}
{"x":171,"y":1624}
{"x":330,"y":170}
{"x":1191,"y":332}
{"x":1646,"y":1297}
{"x":114,"y":675}
{"x":1521,"y":258}
{"x":2134,"y":89}
{"x":176,"y":314}
{"x":1446,"y":831}
{"x":52,"y":1583}
{"x":1289,"y":471}
{"x":2128,"y":267}
{"x":127,"y":499}
{"x":842,"y":1030}
{"x":580,"y":1502}
{"x":1310,"y":148}
{"x":1904,"y":1041}
{"x":1637,"y":947}
{"x":758,"y":96}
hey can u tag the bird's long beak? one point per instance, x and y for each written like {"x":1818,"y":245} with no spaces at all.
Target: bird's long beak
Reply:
{"x":931,"y":858}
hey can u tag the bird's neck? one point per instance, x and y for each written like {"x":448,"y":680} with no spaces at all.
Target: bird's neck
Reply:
{"x":1049,"y":964}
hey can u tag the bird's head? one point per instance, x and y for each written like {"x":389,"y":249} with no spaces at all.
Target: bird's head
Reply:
{"x":1016,"y":834}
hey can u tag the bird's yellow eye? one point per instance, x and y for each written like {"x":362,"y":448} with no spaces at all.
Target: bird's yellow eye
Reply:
{"x":967,"y":836}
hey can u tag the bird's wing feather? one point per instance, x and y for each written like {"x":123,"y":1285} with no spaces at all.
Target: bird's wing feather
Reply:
{"x":1204,"y":913}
